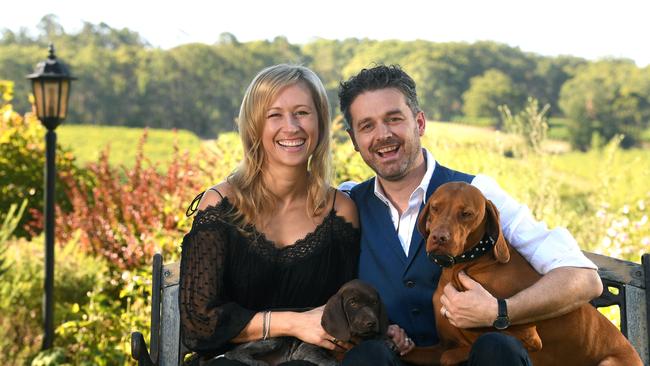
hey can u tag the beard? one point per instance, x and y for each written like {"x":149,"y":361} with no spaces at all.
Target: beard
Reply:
{"x":396,"y":170}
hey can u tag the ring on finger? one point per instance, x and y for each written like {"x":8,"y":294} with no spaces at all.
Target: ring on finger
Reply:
{"x":334,"y":340}
{"x":408,"y":341}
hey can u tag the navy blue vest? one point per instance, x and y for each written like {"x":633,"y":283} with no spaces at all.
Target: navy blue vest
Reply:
{"x":405,"y":284}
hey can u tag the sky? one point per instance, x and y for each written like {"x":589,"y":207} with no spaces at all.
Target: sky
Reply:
{"x":590,"y":29}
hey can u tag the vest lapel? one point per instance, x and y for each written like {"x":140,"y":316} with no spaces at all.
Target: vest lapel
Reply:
{"x":385,"y":224}
{"x":417,"y":241}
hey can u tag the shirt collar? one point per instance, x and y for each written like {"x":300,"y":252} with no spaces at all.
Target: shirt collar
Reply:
{"x":422,"y":187}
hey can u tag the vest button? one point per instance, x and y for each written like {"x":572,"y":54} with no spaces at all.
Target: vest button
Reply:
{"x":415,"y":311}
{"x":410,"y":284}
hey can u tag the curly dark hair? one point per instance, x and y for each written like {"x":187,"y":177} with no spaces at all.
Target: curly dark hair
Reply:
{"x":378,"y":77}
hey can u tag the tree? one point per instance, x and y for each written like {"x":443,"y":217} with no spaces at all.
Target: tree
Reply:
{"x":486,"y":93}
{"x":605,"y":99}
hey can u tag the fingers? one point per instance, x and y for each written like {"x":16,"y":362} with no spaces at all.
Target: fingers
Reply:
{"x":466,"y":280}
{"x":444,"y":311}
{"x":338,"y":345}
{"x":403,"y":344}
{"x":392,"y":330}
{"x":449,"y":290}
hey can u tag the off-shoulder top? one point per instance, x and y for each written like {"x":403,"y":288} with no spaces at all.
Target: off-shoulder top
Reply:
{"x":228,"y":275}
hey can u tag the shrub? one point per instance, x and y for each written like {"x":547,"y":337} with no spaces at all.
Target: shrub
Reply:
{"x":22,"y":158}
{"x":125,"y":216}
{"x":7,"y":228}
{"x":21,"y":294}
{"x":118,"y":304}
{"x":531,"y":124}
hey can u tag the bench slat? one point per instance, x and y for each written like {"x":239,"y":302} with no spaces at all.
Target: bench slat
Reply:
{"x":636,"y":319}
{"x":624,"y":272}
{"x":170,"y":330}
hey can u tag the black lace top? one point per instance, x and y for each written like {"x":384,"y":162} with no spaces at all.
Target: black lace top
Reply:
{"x":227,"y":276}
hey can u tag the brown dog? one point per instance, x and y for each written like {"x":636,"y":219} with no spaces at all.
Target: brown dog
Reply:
{"x":455,"y":220}
{"x":355,"y":313}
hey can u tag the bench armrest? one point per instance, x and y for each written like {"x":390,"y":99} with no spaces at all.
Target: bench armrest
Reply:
{"x":139,"y":350}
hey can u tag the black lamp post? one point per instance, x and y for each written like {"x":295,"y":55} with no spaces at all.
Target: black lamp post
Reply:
{"x":51,"y":86}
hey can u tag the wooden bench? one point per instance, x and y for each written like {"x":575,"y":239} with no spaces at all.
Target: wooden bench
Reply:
{"x":626,"y":284}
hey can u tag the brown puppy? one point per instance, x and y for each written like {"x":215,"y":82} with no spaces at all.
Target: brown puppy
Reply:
{"x":454,"y":221}
{"x":355,"y":313}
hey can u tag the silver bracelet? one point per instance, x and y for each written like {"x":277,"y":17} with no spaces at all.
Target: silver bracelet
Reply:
{"x":266,"y":325}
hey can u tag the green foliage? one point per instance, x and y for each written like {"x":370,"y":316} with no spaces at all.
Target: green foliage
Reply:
{"x":487,"y":92}
{"x":119,"y":303}
{"x":198,"y":87}
{"x":8,"y":226}
{"x":51,"y":357}
{"x":22,"y":159}
{"x":605,"y":99}
{"x":21,"y":294}
{"x":531,"y":124}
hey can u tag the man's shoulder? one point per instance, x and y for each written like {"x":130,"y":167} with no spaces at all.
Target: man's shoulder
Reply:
{"x":355,"y":190}
{"x":363,"y":188}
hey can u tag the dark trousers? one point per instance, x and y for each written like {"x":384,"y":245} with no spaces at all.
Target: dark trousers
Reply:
{"x":371,"y":353}
{"x":491,"y":349}
{"x":222,"y":361}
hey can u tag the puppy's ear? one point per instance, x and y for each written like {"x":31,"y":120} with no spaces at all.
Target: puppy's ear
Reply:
{"x":422,"y":221}
{"x":334,"y":320}
{"x":501,"y":252}
{"x":382,"y":317}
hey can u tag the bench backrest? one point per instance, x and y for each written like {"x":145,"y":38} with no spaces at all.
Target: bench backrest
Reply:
{"x":626,"y":285}
{"x":166,"y":347}
{"x":630,"y":283}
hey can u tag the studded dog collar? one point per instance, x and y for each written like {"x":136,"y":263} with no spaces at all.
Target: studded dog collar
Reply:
{"x":446,"y":260}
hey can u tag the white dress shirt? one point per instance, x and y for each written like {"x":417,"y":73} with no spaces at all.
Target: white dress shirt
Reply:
{"x":544,"y":249}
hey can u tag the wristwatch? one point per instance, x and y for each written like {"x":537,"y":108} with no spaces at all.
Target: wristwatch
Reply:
{"x":502,"y":321}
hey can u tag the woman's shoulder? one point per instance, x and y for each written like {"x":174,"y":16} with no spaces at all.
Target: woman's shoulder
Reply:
{"x":345,"y":208}
{"x":214,"y":195}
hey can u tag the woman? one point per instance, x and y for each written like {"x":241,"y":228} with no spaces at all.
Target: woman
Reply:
{"x":275,"y":234}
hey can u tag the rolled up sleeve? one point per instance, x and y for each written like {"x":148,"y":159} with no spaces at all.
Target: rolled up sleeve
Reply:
{"x":545,"y":249}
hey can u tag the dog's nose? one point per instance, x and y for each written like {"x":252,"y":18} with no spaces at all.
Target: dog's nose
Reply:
{"x":369,"y":324}
{"x":440,"y":237}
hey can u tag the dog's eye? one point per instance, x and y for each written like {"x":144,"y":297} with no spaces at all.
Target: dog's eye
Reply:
{"x":466,"y":214}
{"x":353,"y":303}
{"x":434,"y":209}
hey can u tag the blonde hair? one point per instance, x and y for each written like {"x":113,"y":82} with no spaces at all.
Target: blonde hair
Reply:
{"x":251,"y":197}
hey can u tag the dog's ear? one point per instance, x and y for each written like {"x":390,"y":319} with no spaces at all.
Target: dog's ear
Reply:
{"x":422,"y":221}
{"x":493,"y":227}
{"x":334,"y":320}
{"x":382,"y":317}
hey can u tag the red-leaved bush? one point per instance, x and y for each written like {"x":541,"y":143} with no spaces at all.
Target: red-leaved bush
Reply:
{"x":126,"y":215}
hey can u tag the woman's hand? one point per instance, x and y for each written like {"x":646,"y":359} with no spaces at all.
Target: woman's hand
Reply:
{"x":307,"y":327}
{"x":402,"y":341}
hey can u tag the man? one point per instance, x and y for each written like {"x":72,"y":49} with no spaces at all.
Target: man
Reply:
{"x":385,"y":124}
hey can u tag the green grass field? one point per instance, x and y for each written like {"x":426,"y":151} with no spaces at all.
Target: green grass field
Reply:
{"x":88,"y":141}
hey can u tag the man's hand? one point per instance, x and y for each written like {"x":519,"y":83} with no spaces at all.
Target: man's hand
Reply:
{"x":468,"y":309}
{"x":558,"y":292}
{"x":398,"y":336}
